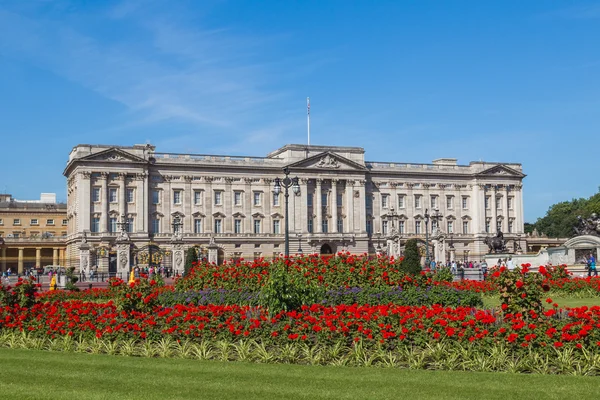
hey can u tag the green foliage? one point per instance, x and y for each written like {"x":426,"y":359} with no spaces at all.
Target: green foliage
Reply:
{"x":561,"y":218}
{"x":71,"y":280}
{"x":22,"y":294}
{"x":520,"y":291}
{"x":285,"y":291}
{"x":191,"y":258}
{"x":140,"y":295}
{"x":412,"y":259}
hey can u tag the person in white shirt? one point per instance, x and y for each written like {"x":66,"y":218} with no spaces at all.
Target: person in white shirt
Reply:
{"x":510,"y":264}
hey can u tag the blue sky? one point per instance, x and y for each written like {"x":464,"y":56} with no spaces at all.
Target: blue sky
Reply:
{"x":410,"y":81}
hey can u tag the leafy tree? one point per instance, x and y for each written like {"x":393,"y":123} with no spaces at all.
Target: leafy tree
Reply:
{"x":561,"y":218}
{"x":412,"y":259}
{"x":190,"y":258}
{"x":528,"y":227}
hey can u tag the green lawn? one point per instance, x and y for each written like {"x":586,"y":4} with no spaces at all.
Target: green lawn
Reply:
{"x":32,"y":374}
{"x":561,"y":301}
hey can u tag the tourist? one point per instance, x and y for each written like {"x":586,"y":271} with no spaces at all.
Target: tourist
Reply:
{"x":510,"y":264}
{"x":484,"y":268}
{"x":591,"y":261}
{"x":453,"y":267}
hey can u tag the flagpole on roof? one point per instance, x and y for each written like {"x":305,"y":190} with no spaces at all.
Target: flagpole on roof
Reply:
{"x":308,"y":117}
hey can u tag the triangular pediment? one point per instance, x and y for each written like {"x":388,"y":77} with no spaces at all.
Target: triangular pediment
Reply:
{"x":501,"y":170}
{"x":113,"y":155}
{"x":328,"y":161}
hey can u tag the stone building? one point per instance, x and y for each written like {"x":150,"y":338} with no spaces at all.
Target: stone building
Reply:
{"x":153,"y":206}
{"x":32,"y":232}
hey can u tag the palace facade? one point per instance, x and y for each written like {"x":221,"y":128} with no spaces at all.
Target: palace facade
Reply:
{"x":165,"y":202}
{"x":32,"y":232}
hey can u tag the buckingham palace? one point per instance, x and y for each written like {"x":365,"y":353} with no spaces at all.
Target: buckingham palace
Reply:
{"x":134,"y":205}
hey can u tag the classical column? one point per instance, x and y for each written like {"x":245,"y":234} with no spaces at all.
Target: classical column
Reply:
{"x":362,"y":212}
{"x":303,"y":212}
{"x":122,"y":194}
{"x":267,"y":226}
{"x":55,"y":256}
{"x":228,"y":205}
{"x":85,"y":202}
{"x":20,"y":261}
{"x":38,"y":256}
{"x":3,"y":258}
{"x":142,"y":202}
{"x":318,"y":207}
{"x":104,"y":199}
{"x":518,"y":206}
{"x":188,"y":201}
{"x":477,"y":209}
{"x":494,"y":210}
{"x":247,"y":205}
{"x":334,"y":205}
{"x":208,"y":201}
{"x":350,"y":205}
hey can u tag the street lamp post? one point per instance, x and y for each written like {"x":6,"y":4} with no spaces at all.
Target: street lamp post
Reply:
{"x":426,"y":238}
{"x":287,"y":182}
{"x":299,"y":235}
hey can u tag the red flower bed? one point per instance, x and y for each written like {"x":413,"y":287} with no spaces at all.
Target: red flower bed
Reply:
{"x":388,"y":325}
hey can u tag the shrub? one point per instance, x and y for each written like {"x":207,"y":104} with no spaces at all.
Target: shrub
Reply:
{"x":71,"y":280}
{"x":140,"y":295}
{"x":520,"y":291}
{"x":22,"y":294}
{"x":412,"y":259}
{"x":190,"y":259}
{"x":286,"y":291}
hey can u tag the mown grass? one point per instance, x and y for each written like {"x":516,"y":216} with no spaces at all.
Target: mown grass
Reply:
{"x":31,"y":374}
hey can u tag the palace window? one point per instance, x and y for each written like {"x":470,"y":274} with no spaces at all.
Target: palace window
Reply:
{"x":465,"y":202}
{"x":369,"y":227}
{"x":487,"y":202}
{"x":34,"y":221}
{"x":155,"y":197}
{"x":510,"y":226}
{"x":384,"y":227}
{"x":340,"y":225}
{"x":309,"y":200}
{"x":256,"y":198}
{"x":418,"y":201}
{"x":112,"y":195}
{"x":177,"y":197}
{"x":488,"y":225}
{"x":237,"y":226}
{"x":309,"y":225}
{"x":218,"y":198}
{"x":197,"y":197}
{"x":155,"y":225}
{"x":510,"y":202}
{"x":96,"y":194}
{"x":465,"y":227}
{"x":50,"y":222}
{"x":384,"y":200}
{"x":418,"y":227}
{"x":498,"y":226}
{"x":17,"y":221}
{"x":130,"y":195}
{"x":324,"y":199}
{"x":339,"y":200}
{"x":256,"y":226}
{"x":498,"y":203}
{"x":237,"y":198}
{"x":401,"y":227}
{"x":434,"y":202}
{"x":276,"y":227}
{"x":449,"y":202}
{"x":401,"y":201}
{"x":197,"y":225}
{"x":325,"y":225}
{"x":369,"y":201}
{"x":112,"y":224}
{"x":95,"y":226}
{"x":275,"y":199}
{"x":450,"y":226}
{"x":218,"y":225}
{"x":65,"y":222}
{"x":130,"y":225}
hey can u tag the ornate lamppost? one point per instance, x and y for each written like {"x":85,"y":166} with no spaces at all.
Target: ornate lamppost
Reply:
{"x":299,"y":236}
{"x":287,"y":182}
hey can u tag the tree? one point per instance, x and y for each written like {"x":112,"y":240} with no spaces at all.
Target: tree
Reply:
{"x":190,"y":258}
{"x":561,"y":218}
{"x":412,"y":259}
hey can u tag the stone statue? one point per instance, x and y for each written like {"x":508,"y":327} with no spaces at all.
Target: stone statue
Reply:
{"x":496,"y":244}
{"x":588,"y":226}
{"x":328,"y":162}
{"x":84,"y":238}
{"x":123,"y":236}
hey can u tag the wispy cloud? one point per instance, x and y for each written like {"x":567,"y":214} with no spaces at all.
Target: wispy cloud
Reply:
{"x":161,"y":67}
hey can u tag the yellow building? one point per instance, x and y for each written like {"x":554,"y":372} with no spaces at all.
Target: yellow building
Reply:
{"x":32,"y":232}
